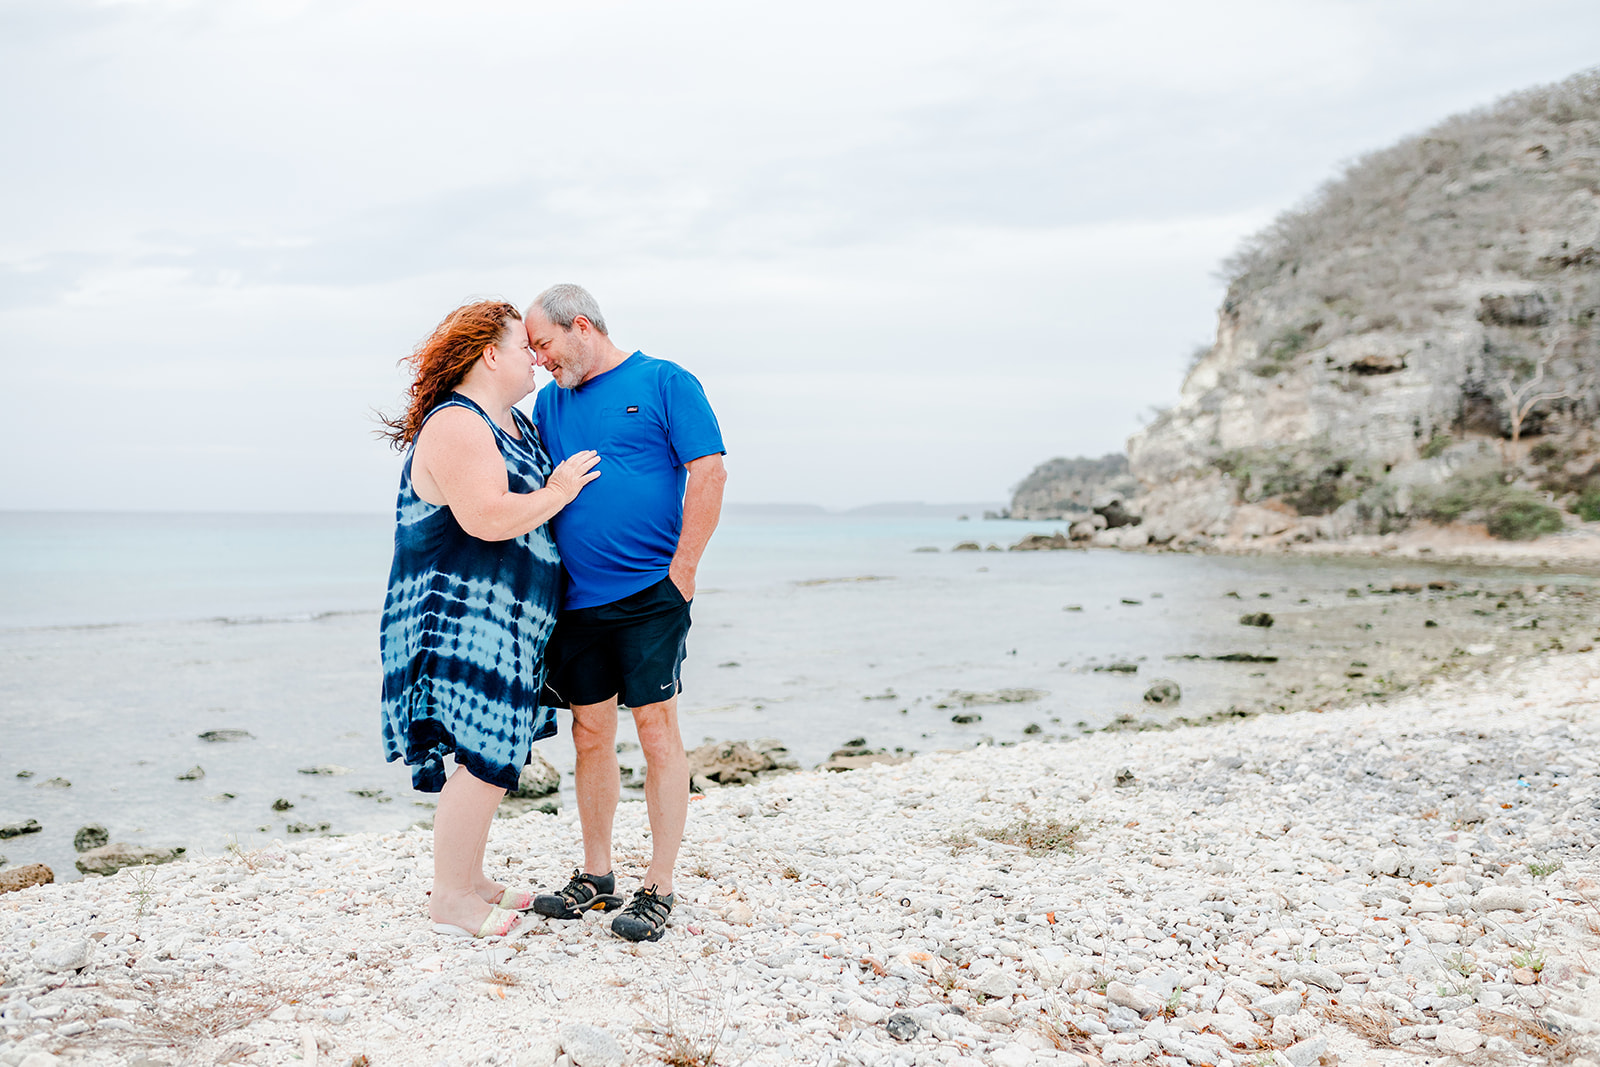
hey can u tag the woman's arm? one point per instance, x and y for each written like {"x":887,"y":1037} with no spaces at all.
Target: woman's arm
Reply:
{"x":457,"y":464}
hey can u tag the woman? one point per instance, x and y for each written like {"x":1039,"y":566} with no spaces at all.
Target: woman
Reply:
{"x":472,"y":596}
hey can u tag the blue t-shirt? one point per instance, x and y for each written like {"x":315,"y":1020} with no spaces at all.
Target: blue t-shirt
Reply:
{"x":647,"y":418}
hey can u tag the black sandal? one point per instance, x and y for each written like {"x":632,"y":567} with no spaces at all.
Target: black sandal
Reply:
{"x":584,"y":892}
{"x":645,"y":917}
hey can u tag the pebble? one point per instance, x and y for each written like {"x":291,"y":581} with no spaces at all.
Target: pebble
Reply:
{"x":1501,"y":898}
{"x":1132,"y":997}
{"x":1457,"y":1039}
{"x":1307,"y":1052}
{"x":590,"y":1046}
{"x":69,"y":953}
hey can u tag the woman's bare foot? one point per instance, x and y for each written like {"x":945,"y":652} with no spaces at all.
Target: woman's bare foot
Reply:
{"x":489,"y":891}
{"x":467,"y":912}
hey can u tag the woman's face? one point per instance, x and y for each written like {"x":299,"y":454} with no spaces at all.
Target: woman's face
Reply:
{"x":516,"y":359}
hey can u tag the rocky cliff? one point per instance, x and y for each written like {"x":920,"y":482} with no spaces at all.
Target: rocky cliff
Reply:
{"x":1064,"y":488}
{"x":1417,"y":342}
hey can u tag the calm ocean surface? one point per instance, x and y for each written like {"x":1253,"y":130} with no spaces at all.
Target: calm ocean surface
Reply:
{"x":125,"y":636}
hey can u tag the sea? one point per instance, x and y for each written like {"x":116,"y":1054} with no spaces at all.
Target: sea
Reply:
{"x":128,"y":639}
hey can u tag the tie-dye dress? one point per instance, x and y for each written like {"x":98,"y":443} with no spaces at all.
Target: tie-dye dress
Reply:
{"x":464,"y":629}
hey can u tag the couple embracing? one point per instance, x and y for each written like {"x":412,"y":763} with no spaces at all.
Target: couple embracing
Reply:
{"x":539,"y":564}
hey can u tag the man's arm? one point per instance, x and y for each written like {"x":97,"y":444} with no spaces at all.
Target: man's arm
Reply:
{"x":702,"y":507}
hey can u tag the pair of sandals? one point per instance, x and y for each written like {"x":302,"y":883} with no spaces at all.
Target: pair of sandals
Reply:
{"x":505,"y":919}
{"x":644,"y":919}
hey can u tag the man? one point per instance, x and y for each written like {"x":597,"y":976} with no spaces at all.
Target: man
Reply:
{"x":631,"y":544}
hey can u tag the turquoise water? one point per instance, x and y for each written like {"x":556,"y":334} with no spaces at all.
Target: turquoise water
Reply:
{"x":124,"y":637}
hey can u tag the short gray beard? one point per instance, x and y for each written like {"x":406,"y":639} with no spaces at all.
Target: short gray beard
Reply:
{"x":573,"y":375}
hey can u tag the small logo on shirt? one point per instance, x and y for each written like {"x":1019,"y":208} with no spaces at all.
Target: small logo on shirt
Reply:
{"x":633,"y":410}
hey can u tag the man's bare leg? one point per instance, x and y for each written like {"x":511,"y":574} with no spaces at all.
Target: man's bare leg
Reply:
{"x":666,"y":788}
{"x":597,"y":780}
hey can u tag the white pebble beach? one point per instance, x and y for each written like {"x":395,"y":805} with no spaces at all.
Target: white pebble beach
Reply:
{"x":1405,"y":883}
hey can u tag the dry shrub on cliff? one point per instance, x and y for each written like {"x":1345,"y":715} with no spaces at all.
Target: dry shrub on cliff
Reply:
{"x":1495,"y":193}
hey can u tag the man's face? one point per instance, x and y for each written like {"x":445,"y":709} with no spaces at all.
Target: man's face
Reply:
{"x":566,"y":354}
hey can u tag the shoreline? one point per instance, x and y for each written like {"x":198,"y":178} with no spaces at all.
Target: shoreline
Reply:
{"x":1396,"y":627}
{"x":1361,"y":883}
{"x":1575,"y":550}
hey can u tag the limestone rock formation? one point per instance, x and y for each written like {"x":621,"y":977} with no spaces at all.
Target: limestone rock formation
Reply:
{"x":1422,"y":329}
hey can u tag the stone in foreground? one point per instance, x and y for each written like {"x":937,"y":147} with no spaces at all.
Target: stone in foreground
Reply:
{"x":1133,"y":997}
{"x":108,"y":859}
{"x":590,"y":1046}
{"x":1458,"y":1039}
{"x":69,"y":953}
{"x":30,"y":874}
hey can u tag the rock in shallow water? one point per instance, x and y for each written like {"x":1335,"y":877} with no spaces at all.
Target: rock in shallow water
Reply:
{"x":1163,"y":691}
{"x":226,"y":735}
{"x":17,"y":829}
{"x":537,"y":779}
{"x":92,"y":836}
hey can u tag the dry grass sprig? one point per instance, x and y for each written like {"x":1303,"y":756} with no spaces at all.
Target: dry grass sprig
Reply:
{"x":184,"y":1020}
{"x":1372,"y":1025}
{"x":1059,"y":1029}
{"x":1554,"y":1047}
{"x":688,"y":1038}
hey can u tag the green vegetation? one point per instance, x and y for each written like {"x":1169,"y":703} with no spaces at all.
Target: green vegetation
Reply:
{"x":1523,"y":519}
{"x":1436,"y":445}
{"x":1511,"y":513}
{"x":1543,"y":870}
{"x":1530,"y":958}
{"x":1312,"y":480}
{"x":1587,"y":506}
{"x":1281,"y":350}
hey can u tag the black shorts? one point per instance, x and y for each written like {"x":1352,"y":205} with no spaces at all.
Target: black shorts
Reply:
{"x":632,"y":649}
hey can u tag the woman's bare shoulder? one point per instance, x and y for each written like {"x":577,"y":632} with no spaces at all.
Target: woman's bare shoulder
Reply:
{"x":454,"y":427}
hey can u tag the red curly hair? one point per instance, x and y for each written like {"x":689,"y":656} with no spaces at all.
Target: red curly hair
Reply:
{"x":442,"y":361}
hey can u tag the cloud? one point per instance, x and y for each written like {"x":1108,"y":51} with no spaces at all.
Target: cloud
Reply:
{"x":966,"y":237}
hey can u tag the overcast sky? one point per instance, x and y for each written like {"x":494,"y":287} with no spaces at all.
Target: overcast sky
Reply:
{"x":911,"y":249}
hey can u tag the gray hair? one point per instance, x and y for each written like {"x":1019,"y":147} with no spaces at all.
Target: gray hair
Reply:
{"x":563,"y":304}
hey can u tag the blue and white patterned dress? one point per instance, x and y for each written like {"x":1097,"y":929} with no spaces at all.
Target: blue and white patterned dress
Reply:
{"x":464,"y":629}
